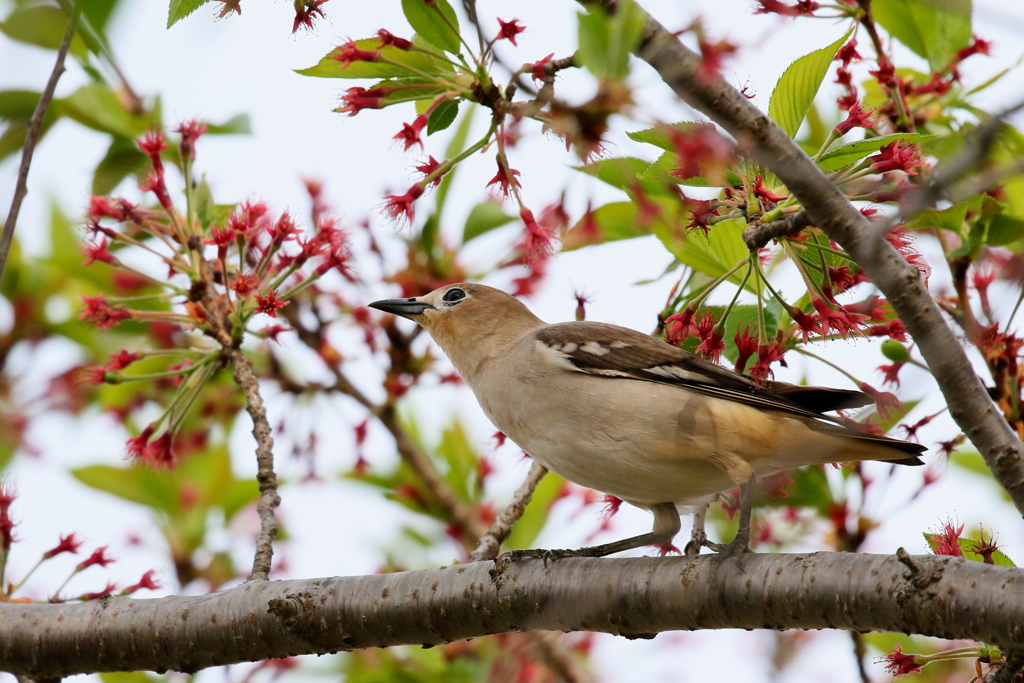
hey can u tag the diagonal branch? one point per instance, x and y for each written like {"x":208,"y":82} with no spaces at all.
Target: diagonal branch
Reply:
{"x":461,"y":515}
{"x":491,"y":542}
{"x":265,"y":475}
{"x":829,"y":209}
{"x":35,"y":126}
{"x":946,"y":597}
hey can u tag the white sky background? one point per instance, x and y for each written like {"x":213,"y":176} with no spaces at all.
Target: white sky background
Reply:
{"x":214,"y":70}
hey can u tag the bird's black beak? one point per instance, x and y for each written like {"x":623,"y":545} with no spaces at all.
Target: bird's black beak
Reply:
{"x":403,"y":307}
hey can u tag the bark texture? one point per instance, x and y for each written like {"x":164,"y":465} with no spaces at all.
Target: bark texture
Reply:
{"x":829,"y":209}
{"x":637,"y":597}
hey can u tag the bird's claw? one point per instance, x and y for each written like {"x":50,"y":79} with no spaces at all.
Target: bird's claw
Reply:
{"x":510,"y":556}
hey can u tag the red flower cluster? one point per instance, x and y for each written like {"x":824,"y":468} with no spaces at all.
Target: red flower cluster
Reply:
{"x":156,"y":453}
{"x":147,"y":581}
{"x":410,"y":133}
{"x":897,"y":156}
{"x":506,"y":179}
{"x":899,"y":664}
{"x":857,"y":118}
{"x":804,"y":8}
{"x":97,"y":311}
{"x":712,"y":57}
{"x":7,"y":525}
{"x":190,"y":132}
{"x":947,"y":539}
{"x":357,"y":99}
{"x":388,"y":39}
{"x":712,"y":339}
{"x":305,"y":12}
{"x":702,"y":151}
{"x":68,"y":544}
{"x":99,"y":556}
{"x":399,"y":207}
{"x":537,"y":244}
{"x":844,"y":77}
{"x":350,"y":53}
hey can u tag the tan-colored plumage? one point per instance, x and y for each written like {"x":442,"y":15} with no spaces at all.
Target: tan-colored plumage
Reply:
{"x":623,"y":413}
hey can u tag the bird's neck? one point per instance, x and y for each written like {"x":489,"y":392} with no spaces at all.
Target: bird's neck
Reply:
{"x":472,"y":347}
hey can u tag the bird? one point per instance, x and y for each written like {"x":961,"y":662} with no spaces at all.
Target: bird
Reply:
{"x":627,"y":414}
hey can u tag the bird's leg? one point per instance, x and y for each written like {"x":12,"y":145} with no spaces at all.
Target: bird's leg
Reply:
{"x":698,"y":536}
{"x":741,"y":543}
{"x":666,"y":526}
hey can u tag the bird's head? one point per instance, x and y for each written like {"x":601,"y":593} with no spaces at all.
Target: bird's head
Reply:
{"x":459,"y":316}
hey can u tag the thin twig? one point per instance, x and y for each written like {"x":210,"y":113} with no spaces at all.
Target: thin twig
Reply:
{"x":757,"y":236}
{"x":35,"y":126}
{"x":491,"y":542}
{"x":265,"y":475}
{"x":557,"y":657}
{"x":858,"y":654}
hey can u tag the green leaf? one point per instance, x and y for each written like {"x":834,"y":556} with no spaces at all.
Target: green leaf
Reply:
{"x":931,"y":29}
{"x":16,"y":107}
{"x":842,"y":155}
{"x":130,"y":677}
{"x":98,"y":13}
{"x":461,"y":459}
{"x":972,"y":461}
{"x":443,"y":116}
{"x":624,"y":173}
{"x":659,"y":175}
{"x":237,"y":494}
{"x":98,"y":107}
{"x":436,"y":22}
{"x":137,"y":484}
{"x":798,"y":85}
{"x":614,"y":221}
{"x":123,"y":158}
{"x":606,"y":42}
{"x":18,"y":104}
{"x":1003,"y":230}
{"x":205,"y":207}
{"x":179,"y":9}
{"x":483,"y":218}
{"x":713,"y":255}
{"x":42,"y":25}
{"x":809,"y":490}
{"x":236,"y":125}
{"x":329,"y":67}
{"x":945,"y":219}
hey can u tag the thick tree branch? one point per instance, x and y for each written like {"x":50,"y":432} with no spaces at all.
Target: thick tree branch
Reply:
{"x":829,"y":209}
{"x":32,"y":132}
{"x":265,"y":475}
{"x":1007,"y":673}
{"x":946,"y":597}
{"x":491,"y":542}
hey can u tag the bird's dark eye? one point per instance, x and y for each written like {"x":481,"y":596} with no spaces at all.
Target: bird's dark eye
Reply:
{"x":454,"y":295}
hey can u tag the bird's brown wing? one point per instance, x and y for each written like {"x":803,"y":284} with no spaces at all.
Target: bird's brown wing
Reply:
{"x":613,"y":351}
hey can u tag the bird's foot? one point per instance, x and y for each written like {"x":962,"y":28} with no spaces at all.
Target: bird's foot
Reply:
{"x":739,"y":546}
{"x":510,"y":556}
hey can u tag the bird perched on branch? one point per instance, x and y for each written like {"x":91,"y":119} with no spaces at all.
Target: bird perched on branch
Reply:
{"x":624,"y":413}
